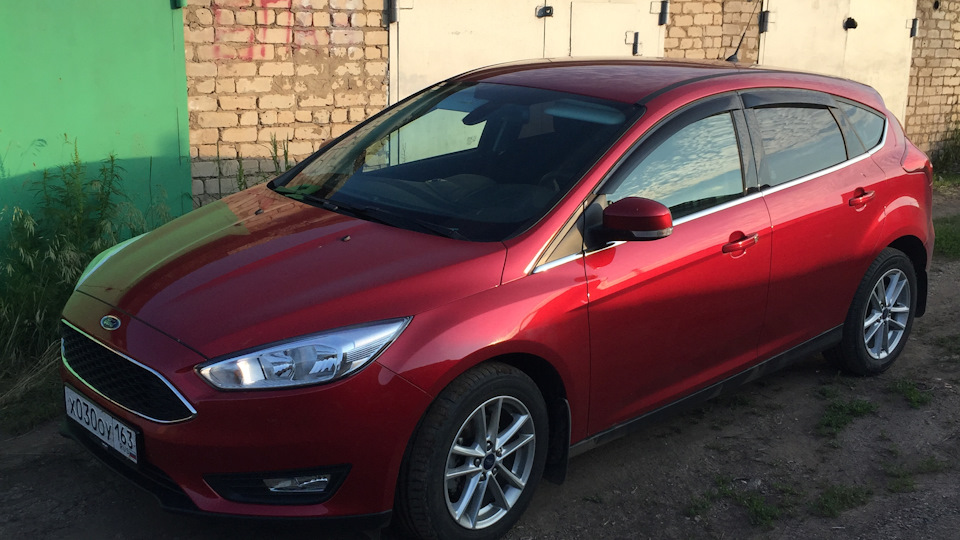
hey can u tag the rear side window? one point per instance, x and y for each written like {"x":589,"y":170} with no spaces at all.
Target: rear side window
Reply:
{"x":696,"y":168}
{"x":797,"y":141}
{"x":867,"y":124}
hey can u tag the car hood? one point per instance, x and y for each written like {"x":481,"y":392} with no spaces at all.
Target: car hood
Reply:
{"x":257,"y":267}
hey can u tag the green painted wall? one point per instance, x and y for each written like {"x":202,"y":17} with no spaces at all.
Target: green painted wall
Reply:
{"x":108,"y":74}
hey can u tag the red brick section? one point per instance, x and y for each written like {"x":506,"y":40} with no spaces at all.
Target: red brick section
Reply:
{"x":934,"y":75}
{"x":301,"y":71}
{"x":711,"y":29}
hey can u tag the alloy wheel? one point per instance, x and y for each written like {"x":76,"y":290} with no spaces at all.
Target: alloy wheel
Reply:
{"x":489,"y":463}
{"x":887,"y":314}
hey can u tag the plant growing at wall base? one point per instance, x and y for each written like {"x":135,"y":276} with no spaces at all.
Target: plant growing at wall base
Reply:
{"x":946,"y":159}
{"x":42,"y":254}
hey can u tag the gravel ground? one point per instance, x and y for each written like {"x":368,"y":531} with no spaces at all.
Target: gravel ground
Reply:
{"x":752,"y":464}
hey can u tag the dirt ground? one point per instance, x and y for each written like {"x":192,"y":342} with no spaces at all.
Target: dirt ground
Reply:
{"x":754,"y":464}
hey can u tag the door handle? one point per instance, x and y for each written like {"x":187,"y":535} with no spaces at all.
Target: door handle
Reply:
{"x":741,"y":244}
{"x":862,"y":197}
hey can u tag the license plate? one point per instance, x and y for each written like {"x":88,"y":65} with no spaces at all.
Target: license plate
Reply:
{"x":101,"y":424}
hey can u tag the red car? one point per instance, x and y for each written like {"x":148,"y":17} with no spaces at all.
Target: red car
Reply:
{"x":440,"y":307}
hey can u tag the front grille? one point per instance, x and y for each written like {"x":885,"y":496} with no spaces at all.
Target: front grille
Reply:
{"x":121,"y":380}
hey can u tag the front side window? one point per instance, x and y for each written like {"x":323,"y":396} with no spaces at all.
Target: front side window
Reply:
{"x":695,"y":168}
{"x":473,"y":161}
{"x":797,"y":141}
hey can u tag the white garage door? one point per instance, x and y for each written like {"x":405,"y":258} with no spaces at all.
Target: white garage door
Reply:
{"x":435,"y":39}
{"x":809,"y":35}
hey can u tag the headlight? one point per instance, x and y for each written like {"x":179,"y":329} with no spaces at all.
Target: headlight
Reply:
{"x":102,"y":258}
{"x":316,"y":359}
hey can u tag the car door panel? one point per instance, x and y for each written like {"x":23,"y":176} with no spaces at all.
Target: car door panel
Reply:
{"x":673,"y":315}
{"x":822,"y":246}
{"x":824,"y":193}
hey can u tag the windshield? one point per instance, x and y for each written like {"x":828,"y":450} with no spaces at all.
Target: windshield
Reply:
{"x":480,"y":162}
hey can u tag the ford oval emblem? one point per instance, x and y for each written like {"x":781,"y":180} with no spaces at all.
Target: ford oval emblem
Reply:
{"x":110,"y":323}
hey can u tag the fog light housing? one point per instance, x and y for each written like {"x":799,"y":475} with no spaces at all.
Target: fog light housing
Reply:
{"x":299,"y":486}
{"x":314,"y":483}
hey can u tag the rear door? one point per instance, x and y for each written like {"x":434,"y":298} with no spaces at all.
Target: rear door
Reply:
{"x":672,"y":315}
{"x":821,"y":189}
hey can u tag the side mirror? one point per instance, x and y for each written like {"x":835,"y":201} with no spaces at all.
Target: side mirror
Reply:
{"x":636,"y":218}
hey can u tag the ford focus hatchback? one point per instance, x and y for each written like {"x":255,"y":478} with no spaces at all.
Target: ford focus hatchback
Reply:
{"x":439,"y":308}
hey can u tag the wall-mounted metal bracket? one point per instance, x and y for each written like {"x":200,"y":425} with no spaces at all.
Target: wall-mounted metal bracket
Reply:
{"x":544,"y":11}
{"x":914,"y":27}
{"x":763,"y":21}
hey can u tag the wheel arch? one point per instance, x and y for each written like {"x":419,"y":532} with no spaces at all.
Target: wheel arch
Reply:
{"x":553,"y":389}
{"x":914,"y":249}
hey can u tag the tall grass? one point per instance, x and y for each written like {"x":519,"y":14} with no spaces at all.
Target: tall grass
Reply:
{"x":946,"y":158}
{"x":79,"y":213}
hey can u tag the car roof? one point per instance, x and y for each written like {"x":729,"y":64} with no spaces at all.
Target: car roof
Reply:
{"x":638,"y":81}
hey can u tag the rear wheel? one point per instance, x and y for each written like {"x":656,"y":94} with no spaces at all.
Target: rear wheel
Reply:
{"x":477,"y":457}
{"x":880,"y":318}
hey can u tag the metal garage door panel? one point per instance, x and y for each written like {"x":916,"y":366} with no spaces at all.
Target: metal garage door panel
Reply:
{"x":808,"y":35}
{"x":879,"y":50}
{"x":601,"y":29}
{"x":436,"y":39}
{"x":805,"y":34}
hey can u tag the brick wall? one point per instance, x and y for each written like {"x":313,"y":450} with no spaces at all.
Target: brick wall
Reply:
{"x":296,"y":71}
{"x":711,"y":29}
{"x":934,"y":75}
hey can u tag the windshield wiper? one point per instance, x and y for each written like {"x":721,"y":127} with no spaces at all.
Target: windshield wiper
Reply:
{"x":369,"y":213}
{"x":307,"y":195}
{"x":387,"y":217}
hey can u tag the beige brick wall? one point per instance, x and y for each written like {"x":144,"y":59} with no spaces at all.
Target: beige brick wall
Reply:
{"x":711,"y":29}
{"x":299,"y":71}
{"x":932,"y":111}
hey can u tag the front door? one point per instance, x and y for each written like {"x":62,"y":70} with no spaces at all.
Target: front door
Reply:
{"x":673,"y":315}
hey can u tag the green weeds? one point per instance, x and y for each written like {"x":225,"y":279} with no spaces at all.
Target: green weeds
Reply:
{"x":759,"y":512}
{"x":900,"y":474}
{"x":910,"y":392}
{"x":951,"y":343}
{"x":79,"y":213}
{"x":948,"y":237}
{"x":835,"y":499}
{"x":946,"y":159}
{"x":839,"y":414}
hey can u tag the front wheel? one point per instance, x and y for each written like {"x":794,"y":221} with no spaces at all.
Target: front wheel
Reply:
{"x":477,"y":457}
{"x":880,"y":318}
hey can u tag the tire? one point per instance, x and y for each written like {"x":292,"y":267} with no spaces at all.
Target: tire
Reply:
{"x":880,"y":317}
{"x":493,"y":479}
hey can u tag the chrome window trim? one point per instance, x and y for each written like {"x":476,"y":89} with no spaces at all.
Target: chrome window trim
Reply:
{"x":193,"y":412}
{"x":684,"y":219}
{"x":531,"y":269}
{"x":833,"y":168}
{"x":553,"y":264}
{"x":869,"y":153}
{"x":717,"y":208}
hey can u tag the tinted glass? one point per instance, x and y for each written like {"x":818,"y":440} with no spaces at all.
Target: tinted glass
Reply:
{"x":473,"y":161}
{"x":868,"y":124}
{"x":696,"y":168}
{"x":797,"y":141}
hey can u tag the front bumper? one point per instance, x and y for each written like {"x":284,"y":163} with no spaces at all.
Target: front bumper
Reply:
{"x":173,"y":499}
{"x":363,"y":422}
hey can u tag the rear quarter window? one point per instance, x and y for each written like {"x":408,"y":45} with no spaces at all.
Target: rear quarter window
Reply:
{"x":797,"y":141}
{"x":868,"y":124}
